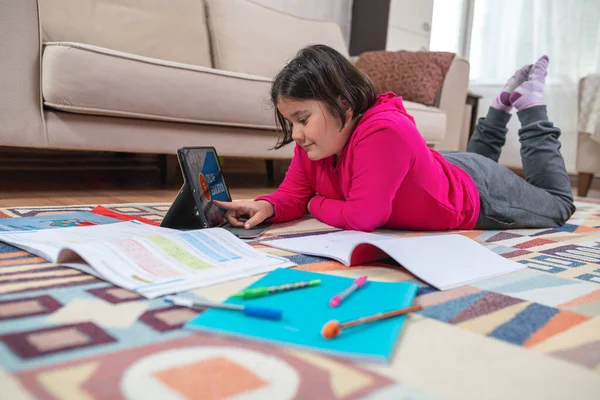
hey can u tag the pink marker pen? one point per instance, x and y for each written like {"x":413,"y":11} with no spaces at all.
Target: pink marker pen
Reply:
{"x":357,"y":284}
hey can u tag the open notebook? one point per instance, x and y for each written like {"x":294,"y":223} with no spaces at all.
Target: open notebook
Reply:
{"x":147,"y":259}
{"x":444,"y":261}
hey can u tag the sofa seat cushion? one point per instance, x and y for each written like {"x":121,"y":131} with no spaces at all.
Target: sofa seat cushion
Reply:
{"x":431,"y":121}
{"x":93,"y":80}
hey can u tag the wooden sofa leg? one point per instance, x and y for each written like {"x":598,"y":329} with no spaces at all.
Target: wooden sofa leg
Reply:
{"x":273,"y":172}
{"x":584,"y":182}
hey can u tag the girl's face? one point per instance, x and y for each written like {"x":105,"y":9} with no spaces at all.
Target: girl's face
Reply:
{"x":315,"y":128}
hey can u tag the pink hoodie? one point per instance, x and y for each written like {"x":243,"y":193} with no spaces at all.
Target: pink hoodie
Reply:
{"x":386,"y":176}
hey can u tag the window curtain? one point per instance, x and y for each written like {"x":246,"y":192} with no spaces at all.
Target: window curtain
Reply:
{"x":508,"y":34}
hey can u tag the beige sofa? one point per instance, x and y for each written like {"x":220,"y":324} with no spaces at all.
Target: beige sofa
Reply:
{"x":151,"y":76}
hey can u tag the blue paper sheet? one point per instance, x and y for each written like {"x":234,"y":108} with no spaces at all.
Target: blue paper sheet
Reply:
{"x":306,"y":310}
{"x":65,"y":220}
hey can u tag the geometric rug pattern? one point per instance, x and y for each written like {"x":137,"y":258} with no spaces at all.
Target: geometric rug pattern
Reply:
{"x":534,"y":333}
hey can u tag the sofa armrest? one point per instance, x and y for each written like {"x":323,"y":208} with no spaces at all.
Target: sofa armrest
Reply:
{"x":21,"y":116}
{"x":588,"y":149}
{"x":453,"y":102}
{"x":588,"y":155}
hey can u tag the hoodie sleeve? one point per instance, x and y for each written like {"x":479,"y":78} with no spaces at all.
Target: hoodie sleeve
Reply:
{"x":290,"y":199}
{"x":382,"y":159}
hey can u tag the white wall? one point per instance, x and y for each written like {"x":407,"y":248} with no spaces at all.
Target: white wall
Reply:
{"x":338,"y":11}
{"x":409,"y":26}
{"x":447,"y":33}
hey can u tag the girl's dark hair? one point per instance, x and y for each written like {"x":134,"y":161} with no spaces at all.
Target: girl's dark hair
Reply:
{"x":319,"y":72}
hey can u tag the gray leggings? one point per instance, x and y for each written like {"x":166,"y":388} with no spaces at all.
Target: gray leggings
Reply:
{"x":544,"y":199}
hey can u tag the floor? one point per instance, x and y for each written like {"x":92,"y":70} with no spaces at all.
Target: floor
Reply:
{"x":116,"y":196}
{"x":593,"y":194}
{"x":144,"y":187}
{"x":54,"y":177}
{"x":51,"y":188}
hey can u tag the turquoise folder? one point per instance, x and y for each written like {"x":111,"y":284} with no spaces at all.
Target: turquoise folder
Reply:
{"x":306,"y":310}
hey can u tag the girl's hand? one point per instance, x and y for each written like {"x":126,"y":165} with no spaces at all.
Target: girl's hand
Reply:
{"x":256,"y":211}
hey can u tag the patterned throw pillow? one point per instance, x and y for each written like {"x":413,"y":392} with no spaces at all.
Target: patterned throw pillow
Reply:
{"x":416,"y":76}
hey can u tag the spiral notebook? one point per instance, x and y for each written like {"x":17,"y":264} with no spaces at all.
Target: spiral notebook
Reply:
{"x":306,"y":310}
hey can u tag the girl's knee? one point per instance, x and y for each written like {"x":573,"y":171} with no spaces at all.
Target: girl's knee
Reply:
{"x":568,"y":208}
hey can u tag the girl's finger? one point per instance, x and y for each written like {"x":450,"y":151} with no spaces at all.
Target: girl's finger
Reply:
{"x":225,"y":204}
{"x":256,"y":219}
{"x":233,"y":219}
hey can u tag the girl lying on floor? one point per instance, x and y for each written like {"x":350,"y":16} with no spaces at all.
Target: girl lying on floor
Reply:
{"x":361,"y":164}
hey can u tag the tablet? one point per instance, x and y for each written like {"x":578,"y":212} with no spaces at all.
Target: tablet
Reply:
{"x":203,"y":182}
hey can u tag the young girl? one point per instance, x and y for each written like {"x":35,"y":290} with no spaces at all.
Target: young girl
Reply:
{"x":361,"y":164}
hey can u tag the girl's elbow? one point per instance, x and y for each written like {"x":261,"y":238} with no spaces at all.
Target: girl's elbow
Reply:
{"x":366,"y":228}
{"x":364,"y":224}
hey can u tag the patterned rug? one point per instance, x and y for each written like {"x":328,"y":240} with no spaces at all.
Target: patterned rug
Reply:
{"x":531,"y":334}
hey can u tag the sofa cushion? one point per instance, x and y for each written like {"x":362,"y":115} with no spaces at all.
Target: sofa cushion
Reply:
{"x":253,"y":39}
{"x":92,"y":80}
{"x":415,"y":75}
{"x":169,"y":30}
{"x":431,"y":121}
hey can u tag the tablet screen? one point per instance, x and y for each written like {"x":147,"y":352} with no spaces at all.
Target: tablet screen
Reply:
{"x":206,"y":181}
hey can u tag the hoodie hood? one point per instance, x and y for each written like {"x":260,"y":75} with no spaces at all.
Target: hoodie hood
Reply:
{"x":384,"y":103}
